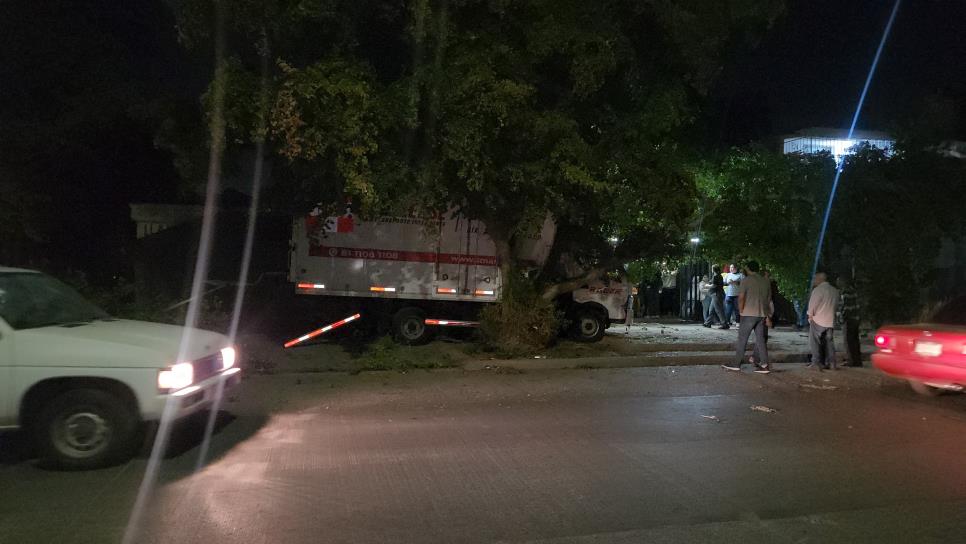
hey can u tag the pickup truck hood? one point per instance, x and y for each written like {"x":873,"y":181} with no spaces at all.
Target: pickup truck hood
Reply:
{"x":114,"y":343}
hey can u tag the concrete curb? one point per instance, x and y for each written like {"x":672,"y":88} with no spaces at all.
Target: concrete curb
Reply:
{"x":671,"y":358}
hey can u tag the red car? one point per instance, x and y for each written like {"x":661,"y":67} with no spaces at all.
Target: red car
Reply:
{"x":930,"y":356}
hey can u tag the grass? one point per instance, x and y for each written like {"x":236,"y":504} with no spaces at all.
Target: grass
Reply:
{"x":386,"y":354}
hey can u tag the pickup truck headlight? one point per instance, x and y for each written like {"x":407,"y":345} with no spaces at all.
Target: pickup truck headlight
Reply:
{"x":176,"y":377}
{"x":227,"y":358}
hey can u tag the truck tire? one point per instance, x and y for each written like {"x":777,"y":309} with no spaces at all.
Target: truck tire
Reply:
{"x":86,"y":428}
{"x":409,"y":327}
{"x":588,"y":325}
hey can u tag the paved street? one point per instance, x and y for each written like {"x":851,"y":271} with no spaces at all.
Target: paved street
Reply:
{"x":566,"y":456}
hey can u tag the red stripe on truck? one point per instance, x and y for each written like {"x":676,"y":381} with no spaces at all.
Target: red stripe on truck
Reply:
{"x":398,"y":255}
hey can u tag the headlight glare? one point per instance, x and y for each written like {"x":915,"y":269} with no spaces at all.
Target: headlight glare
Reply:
{"x":178,"y":376}
{"x":227,"y":358}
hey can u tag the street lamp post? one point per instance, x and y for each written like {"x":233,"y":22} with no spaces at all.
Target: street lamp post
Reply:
{"x":692,"y":286}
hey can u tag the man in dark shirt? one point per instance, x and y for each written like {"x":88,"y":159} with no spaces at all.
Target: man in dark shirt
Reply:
{"x":848,"y":314}
{"x":717,"y":299}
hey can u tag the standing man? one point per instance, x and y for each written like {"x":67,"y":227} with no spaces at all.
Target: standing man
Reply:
{"x":754,"y":305}
{"x":732,"y":282}
{"x":629,"y":310}
{"x":821,"y":319}
{"x":717,"y":298}
{"x":772,"y":314}
{"x":849,"y":318}
{"x":704,"y":289}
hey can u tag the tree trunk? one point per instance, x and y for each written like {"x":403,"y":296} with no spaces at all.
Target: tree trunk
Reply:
{"x":504,"y":254}
{"x":562,"y":288}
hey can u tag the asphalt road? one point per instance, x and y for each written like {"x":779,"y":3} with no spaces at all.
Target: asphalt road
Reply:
{"x":578,"y":456}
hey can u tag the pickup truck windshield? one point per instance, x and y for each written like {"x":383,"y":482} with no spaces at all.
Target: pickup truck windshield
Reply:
{"x":30,"y":300}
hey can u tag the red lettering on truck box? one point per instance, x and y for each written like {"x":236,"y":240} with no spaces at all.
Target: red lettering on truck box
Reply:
{"x":397,"y":255}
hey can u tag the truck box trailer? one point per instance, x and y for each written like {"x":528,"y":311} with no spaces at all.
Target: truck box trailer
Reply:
{"x":409,"y":270}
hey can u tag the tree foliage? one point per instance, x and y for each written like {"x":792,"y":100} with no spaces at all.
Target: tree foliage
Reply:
{"x":507,"y":110}
{"x":891,"y":215}
{"x":889,"y":221}
{"x":761,"y":204}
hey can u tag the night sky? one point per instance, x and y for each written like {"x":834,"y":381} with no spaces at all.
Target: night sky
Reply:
{"x":810,"y":70}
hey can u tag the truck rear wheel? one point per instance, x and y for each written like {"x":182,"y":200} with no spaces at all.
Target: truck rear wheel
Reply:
{"x":86,"y":428}
{"x":588,"y":325}
{"x":409,"y":327}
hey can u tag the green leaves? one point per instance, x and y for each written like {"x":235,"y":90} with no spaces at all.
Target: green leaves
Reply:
{"x":327,"y":113}
{"x":888,"y":222}
{"x":508,"y":110}
{"x":760,"y":204}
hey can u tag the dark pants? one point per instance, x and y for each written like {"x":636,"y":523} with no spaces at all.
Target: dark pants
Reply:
{"x":756,"y":352}
{"x":731,"y":309}
{"x":850,"y":328}
{"x":715,"y":312}
{"x":822,"y":342}
{"x":748,"y":325}
{"x":801,"y":316}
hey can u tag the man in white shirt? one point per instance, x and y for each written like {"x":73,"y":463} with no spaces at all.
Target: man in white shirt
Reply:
{"x":821,"y":319}
{"x":732,"y":281}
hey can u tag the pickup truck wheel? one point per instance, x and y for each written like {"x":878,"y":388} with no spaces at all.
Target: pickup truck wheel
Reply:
{"x":86,"y":428}
{"x":588,"y":325}
{"x":409,"y":327}
{"x":925,"y":390}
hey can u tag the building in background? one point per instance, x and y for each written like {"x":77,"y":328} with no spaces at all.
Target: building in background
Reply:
{"x":835,"y":141}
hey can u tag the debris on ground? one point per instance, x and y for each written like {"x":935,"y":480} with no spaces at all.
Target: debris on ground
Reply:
{"x":819,"y":387}
{"x":716,"y":419}
{"x":760,"y":408}
{"x":503,"y":369}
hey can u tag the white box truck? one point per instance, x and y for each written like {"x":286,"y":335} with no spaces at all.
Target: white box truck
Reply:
{"x":406,"y":271}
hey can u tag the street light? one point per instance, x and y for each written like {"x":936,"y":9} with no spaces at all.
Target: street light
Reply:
{"x":693,"y":290}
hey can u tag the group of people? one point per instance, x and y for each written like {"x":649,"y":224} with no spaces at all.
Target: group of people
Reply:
{"x":720,"y":296}
{"x":747,"y":297}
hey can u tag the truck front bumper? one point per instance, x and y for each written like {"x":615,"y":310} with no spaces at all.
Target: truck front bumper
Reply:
{"x":195,"y":397}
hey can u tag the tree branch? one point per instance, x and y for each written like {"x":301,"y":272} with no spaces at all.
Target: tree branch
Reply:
{"x":568,"y":286}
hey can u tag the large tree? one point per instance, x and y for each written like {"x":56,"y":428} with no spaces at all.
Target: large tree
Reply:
{"x":757,"y":203}
{"x":506,"y":110}
{"x":891,"y":215}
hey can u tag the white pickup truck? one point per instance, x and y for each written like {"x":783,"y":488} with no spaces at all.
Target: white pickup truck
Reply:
{"x":82,"y":383}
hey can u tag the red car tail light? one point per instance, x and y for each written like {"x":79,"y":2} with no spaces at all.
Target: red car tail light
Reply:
{"x":884,"y":342}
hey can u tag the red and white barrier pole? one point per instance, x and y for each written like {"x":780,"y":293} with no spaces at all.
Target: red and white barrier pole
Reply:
{"x":323,"y":330}
{"x":451,"y":323}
